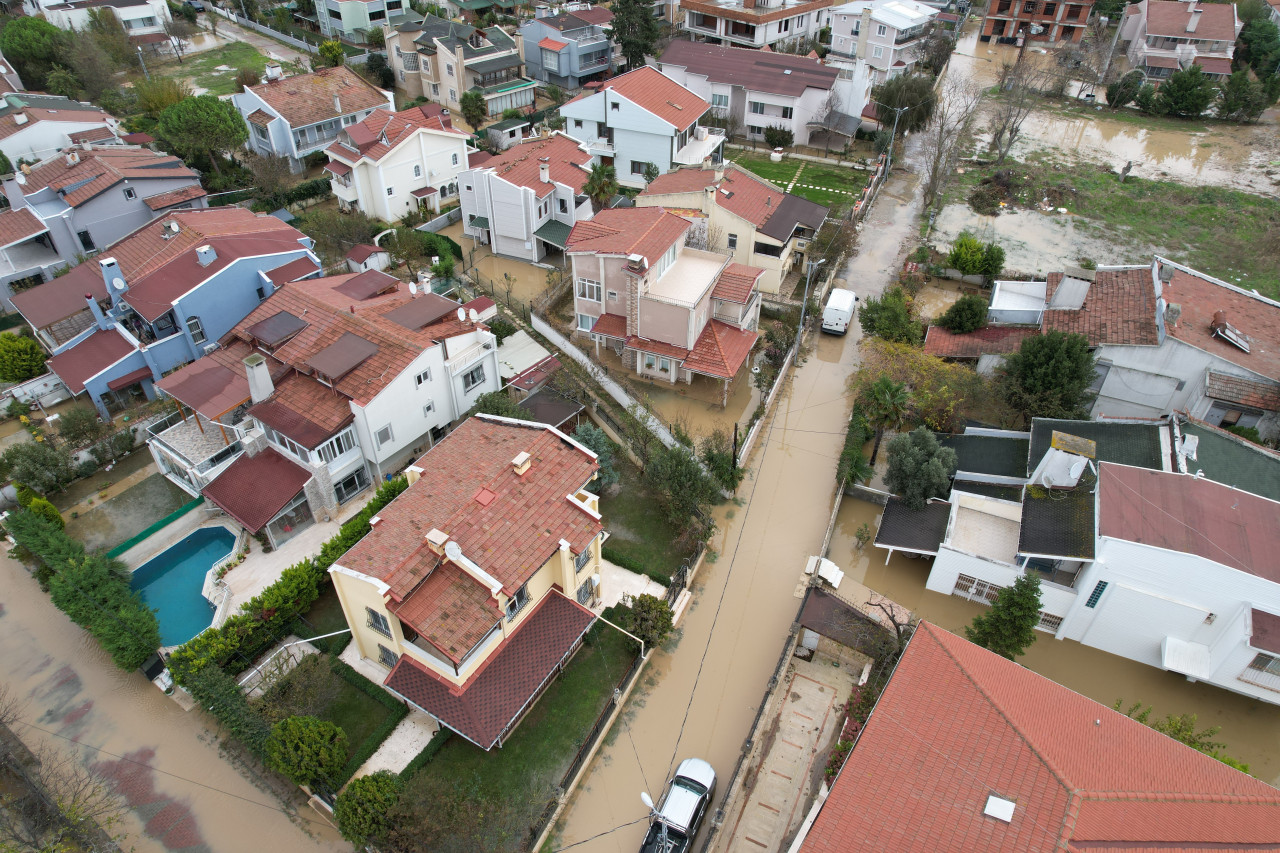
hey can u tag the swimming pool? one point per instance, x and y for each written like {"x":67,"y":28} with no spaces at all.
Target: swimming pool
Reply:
{"x":172,"y":582}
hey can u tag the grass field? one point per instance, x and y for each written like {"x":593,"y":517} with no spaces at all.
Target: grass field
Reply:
{"x":202,"y":68}
{"x":637,"y":530}
{"x":825,"y":184}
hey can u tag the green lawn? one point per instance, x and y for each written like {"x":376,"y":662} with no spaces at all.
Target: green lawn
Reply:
{"x":357,"y":714}
{"x":1228,"y":234}
{"x":825,"y":184}
{"x":202,"y":68}
{"x":325,"y":617}
{"x":638,"y":533}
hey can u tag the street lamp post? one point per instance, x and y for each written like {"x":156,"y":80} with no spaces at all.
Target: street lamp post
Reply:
{"x":143,"y":63}
{"x":804,"y":305}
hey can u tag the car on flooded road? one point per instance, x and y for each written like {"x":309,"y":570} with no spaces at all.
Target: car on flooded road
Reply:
{"x":674,"y":824}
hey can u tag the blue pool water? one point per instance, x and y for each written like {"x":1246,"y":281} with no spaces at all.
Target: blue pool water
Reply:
{"x":171,"y":583}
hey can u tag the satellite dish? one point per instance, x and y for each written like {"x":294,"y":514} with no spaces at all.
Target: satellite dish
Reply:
{"x":462,"y":314}
{"x":413,"y":288}
{"x":472,"y":315}
{"x":453,"y":550}
{"x":118,"y":283}
{"x":646,"y":799}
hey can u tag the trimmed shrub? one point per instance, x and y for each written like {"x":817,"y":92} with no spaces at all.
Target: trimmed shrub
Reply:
{"x":968,"y":314}
{"x":306,"y":749}
{"x":361,"y":810}
{"x":42,"y":508}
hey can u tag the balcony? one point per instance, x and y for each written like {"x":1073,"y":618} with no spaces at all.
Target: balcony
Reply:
{"x":197,"y":443}
{"x":706,"y":142}
{"x":601,"y":147}
{"x":469,"y":356}
{"x":27,"y":257}
{"x":1263,"y":672}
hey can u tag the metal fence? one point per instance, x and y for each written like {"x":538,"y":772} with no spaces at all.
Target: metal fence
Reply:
{"x":292,"y":41}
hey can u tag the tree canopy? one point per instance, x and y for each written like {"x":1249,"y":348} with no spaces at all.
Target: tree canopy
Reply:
{"x":1187,"y":93}
{"x":1122,"y":92}
{"x":33,"y":45}
{"x":913,"y":94}
{"x":499,"y":403}
{"x":602,"y":446}
{"x":634,"y":30}
{"x":203,"y":125}
{"x":331,"y":54}
{"x":1049,"y":376}
{"x":1010,"y":625}
{"x":889,"y":317}
{"x":1182,"y":728}
{"x":307,"y":749}
{"x":21,"y":358}
{"x":473,"y":109}
{"x":919,"y":467}
{"x":601,"y":185}
{"x":967,"y":314}
{"x":362,"y":809}
{"x":1243,"y":98}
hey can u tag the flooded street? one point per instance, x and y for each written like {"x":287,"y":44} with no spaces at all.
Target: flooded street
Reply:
{"x":184,"y":795}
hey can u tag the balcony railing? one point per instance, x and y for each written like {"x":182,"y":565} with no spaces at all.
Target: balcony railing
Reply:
{"x":468,"y":357}
{"x":1261,"y":678}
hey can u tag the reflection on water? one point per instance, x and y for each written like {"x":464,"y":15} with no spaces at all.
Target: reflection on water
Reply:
{"x":1250,"y":729}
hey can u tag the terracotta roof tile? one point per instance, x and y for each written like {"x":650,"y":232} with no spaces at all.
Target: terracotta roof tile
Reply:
{"x":262,"y":118}
{"x":610,"y":325}
{"x":450,"y":609}
{"x":771,"y":210}
{"x":957,"y":724}
{"x":757,"y":15}
{"x":305,"y":410}
{"x":97,"y":170}
{"x":549,"y":43}
{"x":493,"y":698}
{"x":1120,"y":308}
{"x":309,"y":98}
{"x":93,"y":134}
{"x":1256,"y":317}
{"x":776,"y":73}
{"x":680,"y":181}
{"x":366,"y":138}
{"x":361,"y":252}
{"x":989,"y":340}
{"x":647,"y":231}
{"x":1170,"y":18}
{"x":214,"y":384}
{"x":736,"y":283}
{"x":649,"y":88}
{"x":18,"y":225}
{"x":661,"y":348}
{"x":720,"y":350}
{"x":162,"y":200}
{"x":73,"y":112}
{"x":518,"y":165}
{"x":1247,"y":392}
{"x":254,"y":488}
{"x":89,"y":358}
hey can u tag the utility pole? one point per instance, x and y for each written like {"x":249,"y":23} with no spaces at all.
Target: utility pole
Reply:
{"x":807,"y":278}
{"x":1106,"y":66}
{"x":143,"y":63}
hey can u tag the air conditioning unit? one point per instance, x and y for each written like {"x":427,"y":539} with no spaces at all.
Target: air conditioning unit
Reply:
{"x":208,"y":348}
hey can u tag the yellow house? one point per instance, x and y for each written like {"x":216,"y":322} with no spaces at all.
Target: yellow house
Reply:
{"x":470,"y":587}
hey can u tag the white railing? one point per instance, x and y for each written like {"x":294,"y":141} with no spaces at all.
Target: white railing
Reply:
{"x":1261,"y":678}
{"x":467,"y":357}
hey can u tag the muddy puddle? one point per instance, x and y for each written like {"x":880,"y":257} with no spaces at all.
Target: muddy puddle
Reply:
{"x":184,"y":795}
{"x":936,"y":297}
{"x":1249,"y":727}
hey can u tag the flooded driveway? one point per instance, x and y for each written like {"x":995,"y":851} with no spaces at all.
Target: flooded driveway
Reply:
{"x":184,"y":795}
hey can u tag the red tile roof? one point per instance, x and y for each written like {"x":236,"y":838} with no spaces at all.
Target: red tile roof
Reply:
{"x":990,"y":340}
{"x":130,"y":378}
{"x":958,"y":723}
{"x":492,"y":699}
{"x":305,"y":410}
{"x":309,"y":98}
{"x":720,"y":350}
{"x":361,"y":252}
{"x":1170,"y":18}
{"x":366,"y":139}
{"x":450,"y":609}
{"x":18,"y":225}
{"x":214,"y":384}
{"x":138,"y":138}
{"x":661,"y":348}
{"x":1213,"y":64}
{"x":597,"y":15}
{"x":1120,"y":308}
{"x":1246,"y":392}
{"x":74,"y":112}
{"x":254,"y":488}
{"x":535,"y":376}
{"x":93,"y":134}
{"x":510,"y":538}
{"x":1151,"y":60}
{"x":1257,"y":318}
{"x":162,"y":200}
{"x":753,"y":70}
{"x":736,"y":283}
{"x":647,"y":231}
{"x":680,"y":181}
{"x":262,"y":118}
{"x":1266,"y":631}
{"x":649,"y":88}
{"x":89,"y":357}
{"x":292,"y":271}
{"x":96,"y":171}
{"x":518,"y":165}
{"x":771,"y":210}
{"x":610,"y":325}
{"x":549,"y":43}
{"x":1191,"y":514}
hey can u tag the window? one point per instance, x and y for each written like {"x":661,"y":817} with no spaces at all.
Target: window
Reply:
{"x":882,"y":30}
{"x":754,"y":131}
{"x":338,"y":445}
{"x":588,"y":289}
{"x":584,"y":591}
{"x":878,"y":52}
{"x":757,"y":108}
{"x":391,"y":190}
{"x":1050,"y":9}
{"x":585,"y":322}
{"x":377,"y":621}
{"x":395,"y":6}
{"x":577,"y":124}
{"x":1099,"y":588}
{"x":435,"y":90}
{"x":800,"y":21}
{"x":1269,"y":664}
{"x":86,"y":240}
{"x":637,"y":167}
{"x":453,"y":95}
{"x":449,"y":68}
{"x":787,"y":112}
{"x":417,"y":170}
{"x":428,"y":408}
{"x":649,"y":361}
{"x":261,"y":132}
{"x":335,"y":14}
{"x":564,"y":206}
{"x":351,"y":485}
{"x":129,"y":193}
{"x":1029,"y":7}
{"x":733,"y":242}
{"x":473,"y":378}
{"x":196,"y":328}
{"x":384,"y":436}
{"x":615,"y":106}
{"x":379,"y":15}
{"x":422,"y":378}
{"x":262,"y":293}
{"x":517,"y":602}
{"x":580,"y":561}
{"x":1049,"y":622}
{"x":455,"y":158}
{"x":386,"y":657}
{"x":613,"y":296}
{"x":664,"y":365}
{"x":784,"y":26}
{"x":721,"y":101}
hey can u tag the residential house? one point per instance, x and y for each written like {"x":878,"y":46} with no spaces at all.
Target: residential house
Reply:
{"x":470,"y":586}
{"x":1148,"y":539}
{"x":364,"y":257}
{"x":13,"y":83}
{"x":752,"y":220}
{"x":523,"y":202}
{"x":139,"y":18}
{"x":985,"y":349}
{"x":641,"y":118}
{"x":346,"y":378}
{"x":33,"y":127}
{"x":567,"y":50}
{"x":755,"y":23}
{"x":353,"y":19}
{"x":159,"y":298}
{"x":293,"y":117}
{"x":88,"y":198}
{"x":1274,"y":11}
{"x":669,"y":311}
{"x":443,"y":60}
{"x":754,"y":89}
{"x":393,"y":163}
{"x":886,"y":34}
{"x":1168,"y":35}
{"x":502,"y":135}
{"x":1050,"y":21}
{"x":976,"y":752}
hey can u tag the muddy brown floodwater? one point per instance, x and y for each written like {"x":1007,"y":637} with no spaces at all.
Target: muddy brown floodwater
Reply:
{"x":745,"y":601}
{"x":184,"y":795}
{"x":1250,"y":729}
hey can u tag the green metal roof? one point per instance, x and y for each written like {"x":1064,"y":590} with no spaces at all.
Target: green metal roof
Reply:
{"x":1125,"y":444}
{"x":508,"y":124}
{"x":1059,"y":522}
{"x":509,"y":86}
{"x":1234,"y":462}
{"x":555,"y":233}
{"x":474,"y":5}
{"x":494,"y":63}
{"x":1001,"y":456}
{"x":479,"y":222}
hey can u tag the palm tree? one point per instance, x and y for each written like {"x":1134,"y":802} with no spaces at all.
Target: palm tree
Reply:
{"x":860,"y":470}
{"x":887,"y":406}
{"x":602,"y":185}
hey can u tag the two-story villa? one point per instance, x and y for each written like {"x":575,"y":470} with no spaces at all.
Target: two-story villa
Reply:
{"x":639,"y":118}
{"x":569,"y":48}
{"x":755,"y":23}
{"x":34,"y":127}
{"x":1168,"y":35}
{"x":669,"y":311}
{"x":443,"y":60}
{"x":886,"y":34}
{"x":348,"y":378}
{"x":392,"y":163}
{"x":470,"y":586}
{"x":295,"y":116}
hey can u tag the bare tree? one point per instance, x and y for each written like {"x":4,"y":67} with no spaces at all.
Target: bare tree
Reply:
{"x":179,"y":32}
{"x":271,"y":175}
{"x":941,"y":140}
{"x":828,"y":115}
{"x":1011,"y":109}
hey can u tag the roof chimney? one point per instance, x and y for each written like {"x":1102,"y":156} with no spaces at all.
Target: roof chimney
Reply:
{"x":446,"y":119}
{"x":436,"y":540}
{"x":412,"y":474}
{"x":521,"y":463}
{"x":1194,"y":20}
{"x":205,"y":255}
{"x":720,"y":171}
{"x":98,"y":317}
{"x":260,"y":385}
{"x":19,"y":118}
{"x":544,"y":169}
{"x":274,"y":72}
{"x":72,"y":158}
{"x":112,"y":277}
{"x":337,"y":104}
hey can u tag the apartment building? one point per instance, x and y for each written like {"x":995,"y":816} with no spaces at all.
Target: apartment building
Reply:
{"x":886,"y":34}
{"x":569,"y":48}
{"x":1049,"y":21}
{"x":755,"y":23}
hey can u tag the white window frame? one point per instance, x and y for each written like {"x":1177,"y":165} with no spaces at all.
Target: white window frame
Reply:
{"x":613,"y":296}
{"x":877,"y":52}
{"x":196,"y":329}
{"x":455,"y":158}
{"x":422,"y":378}
{"x":882,"y":30}
{"x":341,"y":444}
{"x":756,"y":107}
{"x":473,"y":379}
{"x":417,"y":170}
{"x":733,"y":242}
{"x":720,"y":101}
{"x":383,"y":442}
{"x":428,"y":408}
{"x":589,"y":289}
{"x":585,"y":322}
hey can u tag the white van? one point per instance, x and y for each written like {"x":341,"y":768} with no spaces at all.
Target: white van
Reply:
{"x":839,"y":311}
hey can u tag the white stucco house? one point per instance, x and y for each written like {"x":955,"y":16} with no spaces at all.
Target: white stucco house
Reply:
{"x":886,"y":34}
{"x":138,"y":17}
{"x":754,"y":24}
{"x":293,"y":117}
{"x":1166,"y":36}
{"x":34,"y":126}
{"x":392,"y":163}
{"x":639,"y":118}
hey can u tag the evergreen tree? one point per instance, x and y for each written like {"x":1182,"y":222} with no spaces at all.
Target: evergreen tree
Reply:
{"x":363,"y":807}
{"x":203,"y":125}
{"x":1049,"y":376}
{"x":1010,"y":625}
{"x":635,"y":30}
{"x":473,"y":109}
{"x":1187,"y":93}
{"x":602,"y":446}
{"x":913,"y":94}
{"x":1242,"y":98}
{"x":331,"y":54}
{"x":919,"y":467}
{"x":967,"y":314}
{"x":1122,"y":92}
{"x":306,"y":749}
{"x":601,"y":185}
